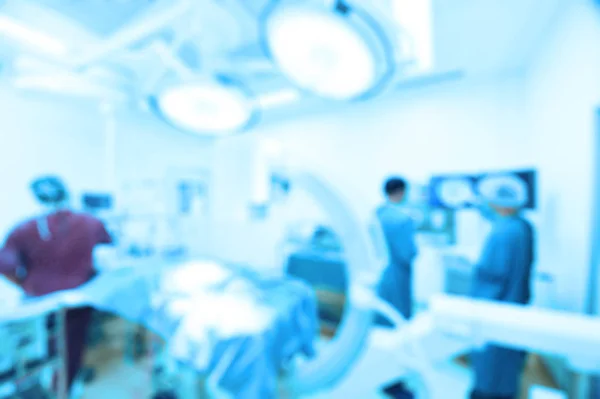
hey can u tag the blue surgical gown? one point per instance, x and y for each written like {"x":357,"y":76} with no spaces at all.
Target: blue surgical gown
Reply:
{"x":503,"y":274}
{"x":396,"y":283}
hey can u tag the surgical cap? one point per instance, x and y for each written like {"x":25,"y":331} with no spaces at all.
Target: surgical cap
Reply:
{"x":508,"y":191}
{"x":49,"y":190}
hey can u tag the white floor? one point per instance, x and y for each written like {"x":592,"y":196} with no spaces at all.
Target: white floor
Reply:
{"x":377,"y":367}
{"x":128,"y":382}
{"x":120,"y":381}
{"x":117,"y":380}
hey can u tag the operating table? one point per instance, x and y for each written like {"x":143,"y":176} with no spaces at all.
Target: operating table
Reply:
{"x":230,"y":326}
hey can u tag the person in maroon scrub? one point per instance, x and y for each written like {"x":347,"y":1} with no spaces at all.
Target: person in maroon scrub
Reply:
{"x":53,"y":252}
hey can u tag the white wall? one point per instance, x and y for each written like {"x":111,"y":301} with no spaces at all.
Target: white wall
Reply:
{"x":542,"y":117}
{"x":457,"y":126}
{"x":564,"y":95}
{"x":39,"y":136}
{"x":147,"y":148}
{"x":53,"y":135}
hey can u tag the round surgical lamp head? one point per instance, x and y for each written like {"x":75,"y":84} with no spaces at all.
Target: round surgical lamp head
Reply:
{"x":504,"y":190}
{"x":213,"y":108}
{"x":340,"y":53}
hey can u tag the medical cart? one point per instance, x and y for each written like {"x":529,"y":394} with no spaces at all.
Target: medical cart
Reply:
{"x":33,"y":356}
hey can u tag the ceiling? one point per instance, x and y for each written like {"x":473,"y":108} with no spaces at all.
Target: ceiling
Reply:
{"x":469,"y":36}
{"x":102,"y":17}
{"x":481,"y":36}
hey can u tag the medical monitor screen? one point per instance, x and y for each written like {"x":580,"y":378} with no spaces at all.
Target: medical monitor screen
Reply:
{"x":97,"y":201}
{"x":460,"y":191}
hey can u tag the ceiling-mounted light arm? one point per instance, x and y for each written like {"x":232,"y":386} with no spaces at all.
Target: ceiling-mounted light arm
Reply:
{"x":278,"y":98}
{"x":32,"y":64}
{"x":166,"y":51}
{"x":341,"y":7}
{"x":172,"y":61}
{"x":30,"y":37}
{"x":156,"y":72}
{"x":127,"y":37}
{"x":190,"y":27}
{"x":69,"y":84}
{"x":250,"y":9}
{"x":181,"y":32}
{"x":407,"y":46}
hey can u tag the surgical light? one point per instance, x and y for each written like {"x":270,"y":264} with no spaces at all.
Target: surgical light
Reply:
{"x":37,"y":40}
{"x":205,"y":108}
{"x":340,"y":54}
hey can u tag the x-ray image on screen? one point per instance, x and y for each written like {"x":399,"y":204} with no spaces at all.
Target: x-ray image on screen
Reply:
{"x":456,"y":192}
{"x":461,"y":191}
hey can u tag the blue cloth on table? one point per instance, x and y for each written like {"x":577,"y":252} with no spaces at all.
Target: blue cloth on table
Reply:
{"x":253,"y":361}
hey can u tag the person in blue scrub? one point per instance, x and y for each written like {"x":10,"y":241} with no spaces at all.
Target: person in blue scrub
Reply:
{"x":502,"y":274}
{"x":396,"y":283}
{"x":399,"y":231}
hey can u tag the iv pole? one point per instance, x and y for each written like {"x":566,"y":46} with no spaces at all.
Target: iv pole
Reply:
{"x":107,"y":110}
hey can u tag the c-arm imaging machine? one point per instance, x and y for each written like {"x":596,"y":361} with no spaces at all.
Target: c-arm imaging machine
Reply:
{"x":450,"y":327}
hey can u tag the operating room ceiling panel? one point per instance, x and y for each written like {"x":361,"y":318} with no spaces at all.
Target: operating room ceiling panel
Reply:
{"x":254,"y":7}
{"x":480,"y":36}
{"x":102,"y":17}
{"x":71,"y":34}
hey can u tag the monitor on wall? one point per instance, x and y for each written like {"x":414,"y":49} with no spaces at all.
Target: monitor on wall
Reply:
{"x":460,"y":191}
